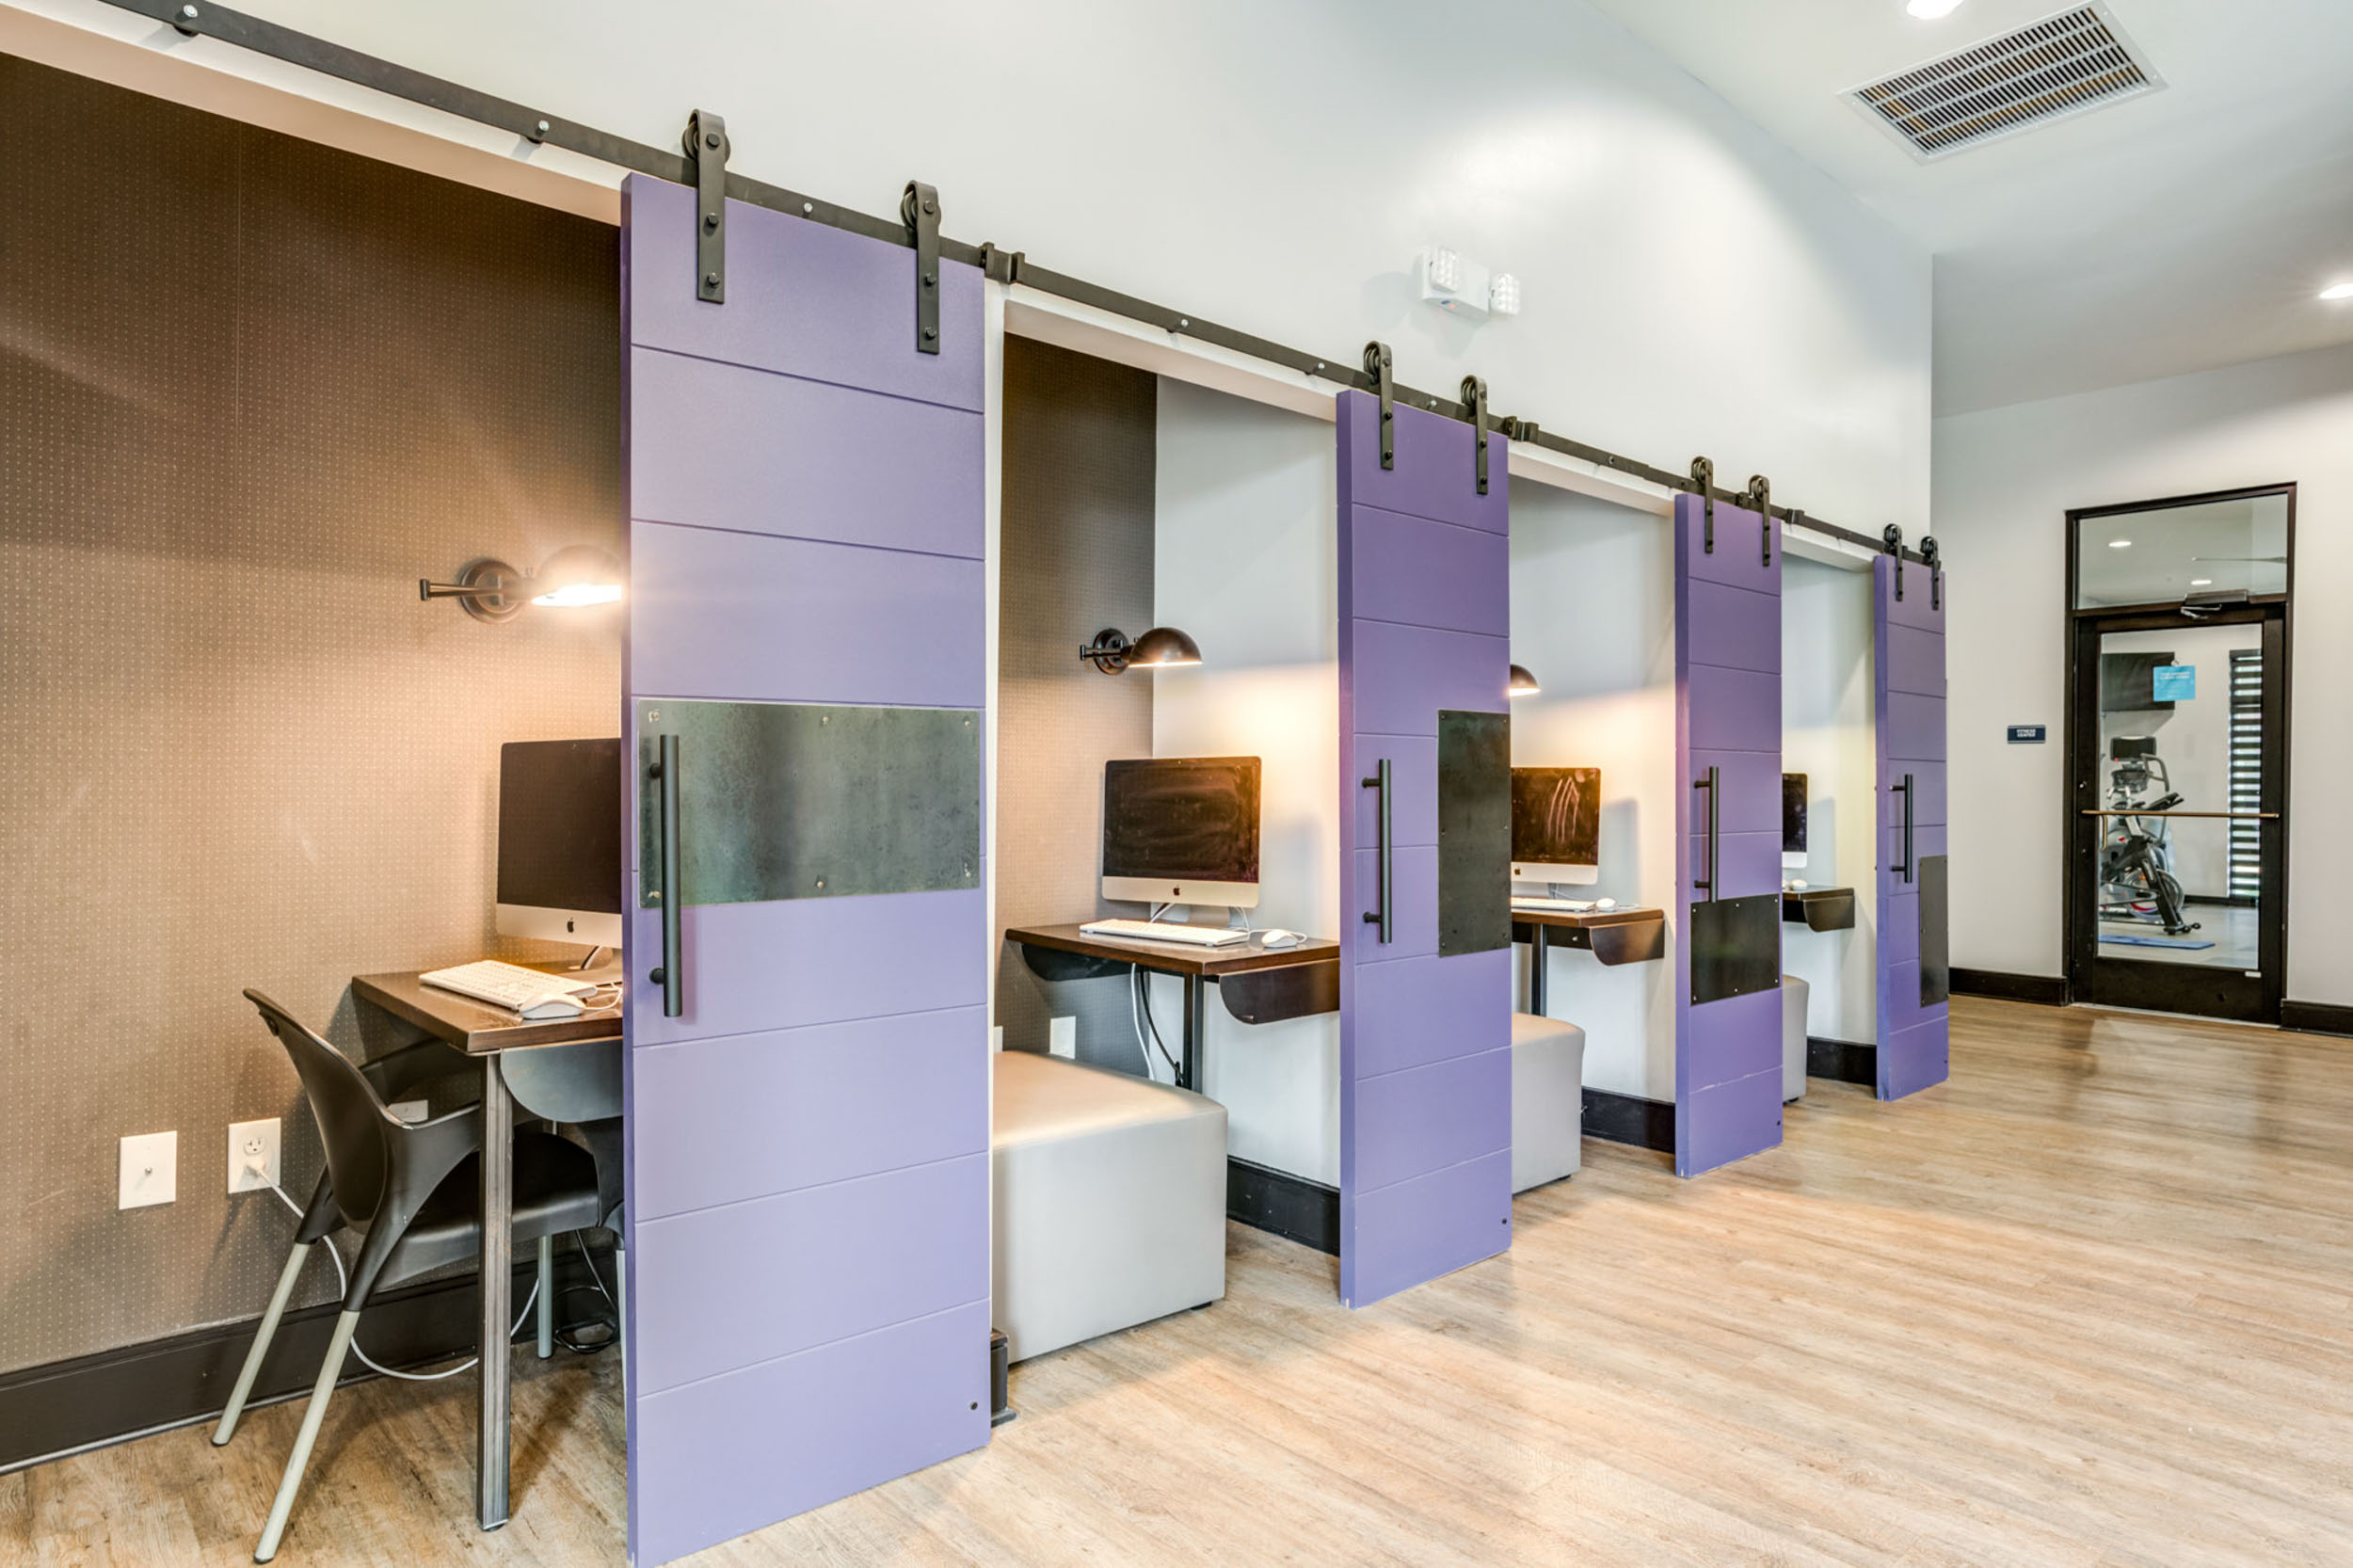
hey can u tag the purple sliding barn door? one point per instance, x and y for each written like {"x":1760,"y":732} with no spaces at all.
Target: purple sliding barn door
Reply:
{"x":1425,"y":1000}
{"x":807,"y":1122}
{"x":1728,"y":834}
{"x":1914,"y":972}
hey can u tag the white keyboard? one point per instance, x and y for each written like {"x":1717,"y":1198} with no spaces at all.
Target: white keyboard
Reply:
{"x":532,"y":992}
{"x":1167,"y":931}
{"x":1556,"y":905}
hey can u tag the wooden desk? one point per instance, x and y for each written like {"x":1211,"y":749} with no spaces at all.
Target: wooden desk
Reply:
{"x":490,"y":1032}
{"x":1820,"y":908}
{"x":1259,"y":983}
{"x":1613,"y":936}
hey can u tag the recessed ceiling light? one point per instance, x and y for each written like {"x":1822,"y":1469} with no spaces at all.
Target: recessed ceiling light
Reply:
{"x":2337,"y":291}
{"x":1928,"y":10}
{"x":2201,"y":582}
{"x":2119,"y":544}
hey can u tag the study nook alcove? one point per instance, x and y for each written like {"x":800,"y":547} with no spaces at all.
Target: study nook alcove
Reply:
{"x":1129,"y":500}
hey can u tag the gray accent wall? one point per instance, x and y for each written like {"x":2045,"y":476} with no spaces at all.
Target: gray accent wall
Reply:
{"x":1075,"y":557}
{"x":250,"y":390}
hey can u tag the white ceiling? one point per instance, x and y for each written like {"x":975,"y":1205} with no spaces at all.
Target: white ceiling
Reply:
{"x":2183,"y":229}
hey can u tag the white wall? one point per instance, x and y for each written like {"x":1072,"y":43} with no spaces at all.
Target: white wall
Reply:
{"x":1592,"y":618}
{"x":2005,"y":480}
{"x":1691,"y":285}
{"x":1827,"y":734}
{"x":1246,"y":558}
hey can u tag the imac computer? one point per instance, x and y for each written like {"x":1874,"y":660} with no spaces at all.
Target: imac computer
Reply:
{"x":560,"y":841}
{"x":1182,"y":830}
{"x":1556,"y":825}
{"x":1792,"y":821}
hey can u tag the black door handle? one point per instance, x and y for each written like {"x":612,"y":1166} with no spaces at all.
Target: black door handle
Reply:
{"x":1903,"y":863}
{"x":672,"y":974}
{"x":1383,"y":914}
{"x":1713,"y":784}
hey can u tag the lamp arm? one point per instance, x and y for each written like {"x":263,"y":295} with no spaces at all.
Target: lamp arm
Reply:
{"x":428,"y":589}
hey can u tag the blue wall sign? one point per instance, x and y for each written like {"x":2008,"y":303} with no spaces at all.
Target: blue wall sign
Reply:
{"x":2174,"y":682}
{"x":2027,"y":734}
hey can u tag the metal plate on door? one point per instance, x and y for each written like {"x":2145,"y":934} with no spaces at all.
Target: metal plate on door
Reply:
{"x":1474,"y":832}
{"x":781,"y":800}
{"x":1936,"y":964}
{"x":1736,"y":947}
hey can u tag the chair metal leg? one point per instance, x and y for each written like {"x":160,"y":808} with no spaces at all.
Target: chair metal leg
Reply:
{"x":295,"y":1255}
{"x":546,"y":1297}
{"x":311,"y":1416}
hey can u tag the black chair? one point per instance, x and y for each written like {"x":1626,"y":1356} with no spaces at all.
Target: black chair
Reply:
{"x":394,"y":1076}
{"x":417,"y":1188}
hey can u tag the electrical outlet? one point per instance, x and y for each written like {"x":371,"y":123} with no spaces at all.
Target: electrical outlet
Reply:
{"x":411,"y":1111}
{"x":247,"y":1139}
{"x":995,"y":1037}
{"x":1062,"y":1037}
{"x":147,"y":1170}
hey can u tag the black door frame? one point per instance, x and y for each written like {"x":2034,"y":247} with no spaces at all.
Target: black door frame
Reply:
{"x":2092,"y":977}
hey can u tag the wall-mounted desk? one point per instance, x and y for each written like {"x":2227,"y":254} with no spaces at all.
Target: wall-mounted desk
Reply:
{"x":1820,"y":908}
{"x":579,"y":1080}
{"x":1613,"y":936}
{"x":1258,"y":985}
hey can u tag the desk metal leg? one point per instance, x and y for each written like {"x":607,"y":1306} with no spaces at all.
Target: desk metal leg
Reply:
{"x":1536,"y":966}
{"x":497,"y":1287}
{"x":1197,"y":1020}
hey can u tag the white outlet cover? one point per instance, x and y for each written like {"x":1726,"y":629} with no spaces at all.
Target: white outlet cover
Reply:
{"x":149,"y":1169}
{"x":995,"y":1037}
{"x":1062,"y":1037}
{"x":246,"y":1138}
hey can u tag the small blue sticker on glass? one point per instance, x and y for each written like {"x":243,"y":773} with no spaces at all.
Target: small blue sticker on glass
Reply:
{"x":2174,"y":683}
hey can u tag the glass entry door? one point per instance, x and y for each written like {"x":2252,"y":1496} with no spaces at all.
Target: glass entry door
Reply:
{"x":2177,"y":764}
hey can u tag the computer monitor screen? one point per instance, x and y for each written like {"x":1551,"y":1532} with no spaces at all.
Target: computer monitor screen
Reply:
{"x":1793,"y":819}
{"x":560,"y":841}
{"x":1181,"y":830}
{"x":1556,"y":825}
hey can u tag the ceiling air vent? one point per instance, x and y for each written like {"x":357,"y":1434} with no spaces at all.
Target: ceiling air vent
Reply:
{"x":2061,"y":66}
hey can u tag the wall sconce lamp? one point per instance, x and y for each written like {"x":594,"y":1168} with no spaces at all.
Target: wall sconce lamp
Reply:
{"x":491,"y":590}
{"x":1522,"y":683}
{"x":1162,"y":648}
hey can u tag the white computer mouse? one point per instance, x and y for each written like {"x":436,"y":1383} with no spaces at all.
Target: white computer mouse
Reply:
{"x":1605,"y":904}
{"x":556,"y":1004}
{"x":1274,"y":936}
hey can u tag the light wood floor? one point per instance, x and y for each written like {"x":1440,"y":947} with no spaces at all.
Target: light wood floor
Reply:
{"x":2085,"y":1305}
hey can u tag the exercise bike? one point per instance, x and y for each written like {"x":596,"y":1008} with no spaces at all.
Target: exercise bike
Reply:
{"x":2137,"y":880}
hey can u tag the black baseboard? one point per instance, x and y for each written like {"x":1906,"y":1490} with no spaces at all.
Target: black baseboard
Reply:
{"x":1284,"y":1204}
{"x":2316,"y":1018}
{"x":2050,"y":990}
{"x":1630,"y":1119}
{"x":66,"y":1406}
{"x":1842,"y":1061}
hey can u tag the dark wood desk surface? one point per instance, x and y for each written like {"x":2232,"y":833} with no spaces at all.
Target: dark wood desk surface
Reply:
{"x":1174,"y":958}
{"x":1820,"y":908}
{"x":1586,"y":920}
{"x":478,"y":1027}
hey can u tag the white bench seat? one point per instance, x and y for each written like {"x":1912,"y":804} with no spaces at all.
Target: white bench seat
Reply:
{"x":1110,"y":1200}
{"x":1547,"y":1100}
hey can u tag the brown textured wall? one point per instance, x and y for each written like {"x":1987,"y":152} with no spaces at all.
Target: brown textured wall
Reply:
{"x":250,"y":389}
{"x":1076,"y":557}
